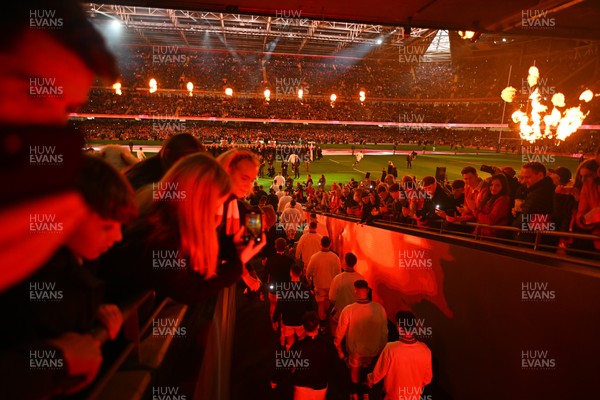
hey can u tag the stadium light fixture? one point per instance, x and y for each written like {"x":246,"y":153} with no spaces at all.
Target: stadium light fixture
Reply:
{"x":469,"y":35}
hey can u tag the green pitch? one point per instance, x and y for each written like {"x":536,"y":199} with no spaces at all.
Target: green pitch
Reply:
{"x":340,"y":169}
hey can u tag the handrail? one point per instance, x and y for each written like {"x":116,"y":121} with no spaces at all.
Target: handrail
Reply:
{"x":132,"y":332}
{"x":128,"y":309}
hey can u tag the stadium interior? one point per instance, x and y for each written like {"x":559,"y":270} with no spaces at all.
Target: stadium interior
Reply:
{"x":451,"y":147}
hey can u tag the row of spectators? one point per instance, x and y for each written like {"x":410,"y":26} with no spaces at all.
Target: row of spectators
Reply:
{"x":180,"y":104}
{"x":131,"y":130}
{"x":536,"y":199}
{"x":173,"y":67}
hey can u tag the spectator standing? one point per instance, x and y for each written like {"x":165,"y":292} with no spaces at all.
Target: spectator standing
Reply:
{"x":277,"y":268}
{"x":321,"y":227}
{"x":364,"y":325}
{"x":140,"y":154}
{"x":309,"y":244}
{"x":539,"y":196}
{"x":311,"y":383}
{"x":291,"y":218}
{"x":405,"y":365}
{"x":293,"y":301}
{"x":341,"y":292}
{"x":322,"y":268}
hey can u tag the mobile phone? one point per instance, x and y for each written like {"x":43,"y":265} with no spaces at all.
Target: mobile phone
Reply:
{"x":437,"y":206}
{"x":253,"y":227}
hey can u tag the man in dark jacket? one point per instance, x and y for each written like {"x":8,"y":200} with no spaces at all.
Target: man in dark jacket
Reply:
{"x":294,"y":299}
{"x":277,"y":268}
{"x":536,"y":209}
{"x":436,"y":198}
{"x":311,"y":362}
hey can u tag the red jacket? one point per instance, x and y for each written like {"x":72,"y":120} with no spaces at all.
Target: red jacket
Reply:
{"x":494,"y":214}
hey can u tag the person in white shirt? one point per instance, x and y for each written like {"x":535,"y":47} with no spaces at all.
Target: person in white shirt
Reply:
{"x":364,"y":325}
{"x":140,"y":154}
{"x":279,"y":192}
{"x":322,"y":268}
{"x":298,"y":205}
{"x":341,"y":292}
{"x":405,"y":365}
{"x":357,"y":156}
{"x":309,"y":244}
{"x":283,"y":200}
{"x":291,"y":219}
{"x":279,"y":180}
{"x":321,"y":227}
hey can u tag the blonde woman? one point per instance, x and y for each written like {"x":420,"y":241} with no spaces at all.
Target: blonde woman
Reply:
{"x":173,"y":247}
{"x":242,"y":167}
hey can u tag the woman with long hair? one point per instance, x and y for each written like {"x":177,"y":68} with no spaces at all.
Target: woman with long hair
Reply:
{"x":495,"y":207}
{"x":242,"y":168}
{"x":173,"y":247}
{"x":587,"y":218}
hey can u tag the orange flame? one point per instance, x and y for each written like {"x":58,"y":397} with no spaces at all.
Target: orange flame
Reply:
{"x":557,"y":124}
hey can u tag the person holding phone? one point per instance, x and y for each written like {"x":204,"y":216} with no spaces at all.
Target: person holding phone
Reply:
{"x":178,"y":227}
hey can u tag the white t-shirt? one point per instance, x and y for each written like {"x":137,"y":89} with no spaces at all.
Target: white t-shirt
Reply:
{"x":405,"y":369}
{"x":283,"y":200}
{"x":322,"y":268}
{"x":291,"y":218}
{"x":279,"y":180}
{"x":341,"y":291}
{"x":365,"y":329}
{"x":309,"y":244}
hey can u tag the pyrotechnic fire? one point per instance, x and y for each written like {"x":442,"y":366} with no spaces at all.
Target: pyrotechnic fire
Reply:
{"x":153,"y":85}
{"x":508,"y":94}
{"x":117,"y":87}
{"x":557,"y":124}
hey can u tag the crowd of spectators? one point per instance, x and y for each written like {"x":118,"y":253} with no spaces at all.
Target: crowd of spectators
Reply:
{"x":81,"y":236}
{"x":181,"y":104}
{"x":173,"y":67}
{"x":531,"y":200}
{"x":123,"y":131}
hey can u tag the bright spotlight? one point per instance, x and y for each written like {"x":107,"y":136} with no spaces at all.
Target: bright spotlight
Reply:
{"x":379,"y":41}
{"x":115,"y":24}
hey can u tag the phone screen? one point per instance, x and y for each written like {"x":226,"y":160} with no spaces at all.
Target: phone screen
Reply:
{"x":253,"y":225}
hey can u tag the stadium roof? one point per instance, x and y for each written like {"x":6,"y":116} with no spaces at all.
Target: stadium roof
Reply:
{"x":352,"y":28}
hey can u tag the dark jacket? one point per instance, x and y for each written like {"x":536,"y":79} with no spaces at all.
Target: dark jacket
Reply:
{"x":62,"y":296}
{"x":278,"y":269}
{"x":293,"y":301}
{"x":134,"y":265}
{"x":538,"y":200}
{"x":316,"y":358}
{"x":440,"y":200}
